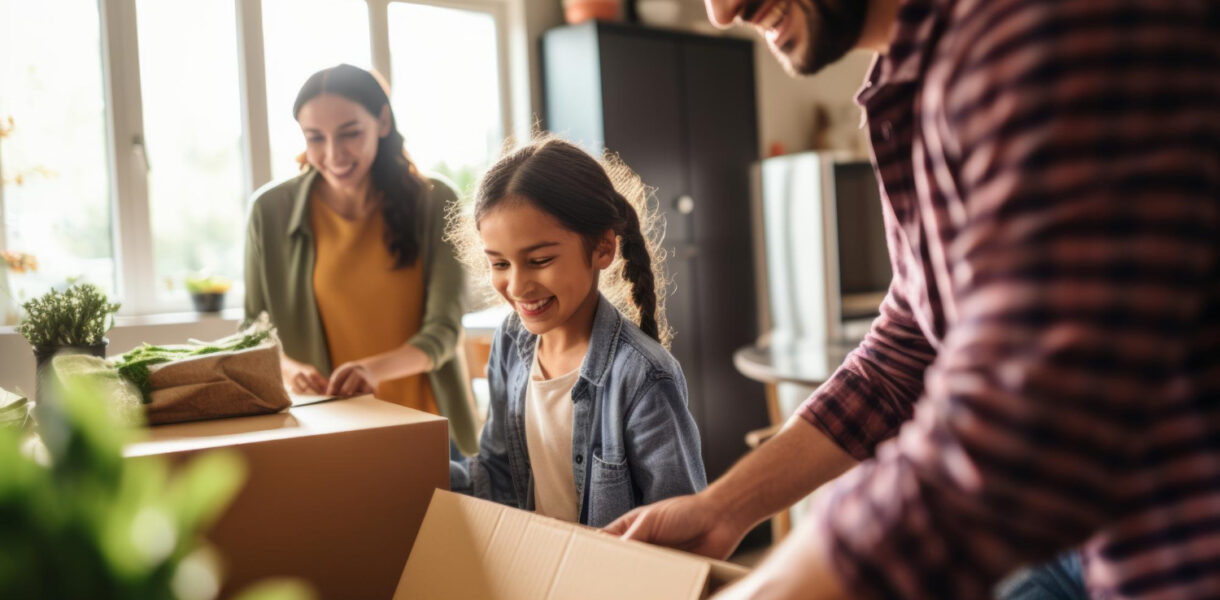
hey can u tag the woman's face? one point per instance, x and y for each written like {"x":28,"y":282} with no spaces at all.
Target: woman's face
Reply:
{"x":341,"y":139}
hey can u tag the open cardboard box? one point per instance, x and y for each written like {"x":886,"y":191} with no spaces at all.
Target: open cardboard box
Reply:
{"x":334,"y":495}
{"x":475,"y":549}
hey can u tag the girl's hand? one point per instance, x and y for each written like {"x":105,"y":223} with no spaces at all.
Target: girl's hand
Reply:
{"x":301,"y":378}
{"x":352,"y":378}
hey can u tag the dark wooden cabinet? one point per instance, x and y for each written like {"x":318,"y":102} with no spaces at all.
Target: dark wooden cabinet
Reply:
{"x":679,"y":109}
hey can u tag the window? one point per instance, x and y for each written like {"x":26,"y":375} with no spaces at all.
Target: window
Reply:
{"x":55,"y":197}
{"x":192,"y":131}
{"x":301,"y":37}
{"x":137,"y":137}
{"x":447,"y":109}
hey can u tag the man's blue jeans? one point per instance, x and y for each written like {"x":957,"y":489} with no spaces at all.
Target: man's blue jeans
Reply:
{"x":1060,"y":579}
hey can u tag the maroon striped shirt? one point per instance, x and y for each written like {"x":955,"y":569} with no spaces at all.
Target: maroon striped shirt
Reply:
{"x":1045,"y":372}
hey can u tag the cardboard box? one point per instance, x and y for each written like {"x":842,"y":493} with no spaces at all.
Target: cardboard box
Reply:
{"x":474,"y":549}
{"x":335,"y":492}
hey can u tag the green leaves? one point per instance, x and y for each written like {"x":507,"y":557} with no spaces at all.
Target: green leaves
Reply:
{"x":133,"y":365}
{"x":210,"y":284}
{"x":84,"y":522}
{"x":80,"y":316}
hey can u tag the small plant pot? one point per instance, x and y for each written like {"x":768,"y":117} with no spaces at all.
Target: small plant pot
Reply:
{"x":579,"y":11}
{"x":43,"y":356}
{"x":208,"y":303}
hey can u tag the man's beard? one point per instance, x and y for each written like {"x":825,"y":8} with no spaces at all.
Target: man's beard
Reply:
{"x":832,"y":29}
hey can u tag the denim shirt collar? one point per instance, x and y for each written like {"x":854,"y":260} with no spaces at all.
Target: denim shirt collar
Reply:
{"x":603,"y":342}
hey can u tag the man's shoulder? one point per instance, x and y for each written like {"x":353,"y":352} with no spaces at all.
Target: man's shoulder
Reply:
{"x":1026,"y":23}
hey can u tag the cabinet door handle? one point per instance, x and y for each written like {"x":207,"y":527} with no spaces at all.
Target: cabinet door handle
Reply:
{"x":685,"y":204}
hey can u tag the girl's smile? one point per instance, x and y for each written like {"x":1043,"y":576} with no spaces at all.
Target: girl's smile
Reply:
{"x":545,"y":271}
{"x":533,"y":308}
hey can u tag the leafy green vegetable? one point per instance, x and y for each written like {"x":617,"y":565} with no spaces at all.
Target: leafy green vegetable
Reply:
{"x":123,"y":398}
{"x":134,"y":365}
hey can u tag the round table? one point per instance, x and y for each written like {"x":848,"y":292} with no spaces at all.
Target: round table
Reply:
{"x":806,"y":363}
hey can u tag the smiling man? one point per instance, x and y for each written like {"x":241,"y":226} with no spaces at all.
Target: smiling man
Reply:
{"x":1045,"y":372}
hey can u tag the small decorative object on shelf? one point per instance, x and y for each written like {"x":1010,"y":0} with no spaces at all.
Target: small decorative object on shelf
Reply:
{"x":208,"y":292}
{"x":658,"y":13}
{"x":76,"y":319}
{"x":579,"y":11}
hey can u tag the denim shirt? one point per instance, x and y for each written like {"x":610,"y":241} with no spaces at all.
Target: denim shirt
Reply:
{"x":634,"y":441}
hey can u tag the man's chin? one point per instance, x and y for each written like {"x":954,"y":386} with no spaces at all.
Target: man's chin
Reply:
{"x":800,"y":63}
{"x":796,"y":62}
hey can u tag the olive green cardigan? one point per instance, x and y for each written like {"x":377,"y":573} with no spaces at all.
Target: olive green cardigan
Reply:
{"x":279,"y":280}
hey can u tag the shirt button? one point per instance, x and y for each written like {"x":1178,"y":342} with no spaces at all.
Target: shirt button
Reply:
{"x":580,"y":459}
{"x":887,"y":130}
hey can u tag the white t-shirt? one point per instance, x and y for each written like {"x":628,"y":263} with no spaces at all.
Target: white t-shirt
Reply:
{"x":548,"y":437}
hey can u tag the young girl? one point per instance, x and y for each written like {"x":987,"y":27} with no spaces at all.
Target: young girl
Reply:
{"x":588,"y":415}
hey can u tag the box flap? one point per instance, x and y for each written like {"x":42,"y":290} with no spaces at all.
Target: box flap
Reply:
{"x":471,"y":548}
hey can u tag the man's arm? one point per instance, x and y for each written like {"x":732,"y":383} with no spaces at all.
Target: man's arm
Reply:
{"x":1083,"y":272}
{"x":863,"y":403}
{"x":766,"y":481}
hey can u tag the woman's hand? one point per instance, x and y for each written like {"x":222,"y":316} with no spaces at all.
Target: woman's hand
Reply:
{"x":352,"y":378}
{"x":301,"y":378}
{"x":364,"y":375}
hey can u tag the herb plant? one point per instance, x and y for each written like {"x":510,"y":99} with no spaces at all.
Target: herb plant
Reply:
{"x":80,"y":316}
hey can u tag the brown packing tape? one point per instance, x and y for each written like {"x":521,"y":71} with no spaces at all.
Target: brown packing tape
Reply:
{"x":225,"y":384}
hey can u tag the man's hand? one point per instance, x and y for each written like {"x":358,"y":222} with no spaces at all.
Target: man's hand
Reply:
{"x":301,"y":378}
{"x":352,"y":378}
{"x":692,"y":523}
{"x":785,"y":469}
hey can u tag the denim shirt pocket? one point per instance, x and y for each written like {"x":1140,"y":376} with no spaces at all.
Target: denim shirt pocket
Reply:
{"x":610,"y":494}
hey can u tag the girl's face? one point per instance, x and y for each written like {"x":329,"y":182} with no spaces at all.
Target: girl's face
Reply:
{"x":341,"y":139}
{"x":541,"y":268}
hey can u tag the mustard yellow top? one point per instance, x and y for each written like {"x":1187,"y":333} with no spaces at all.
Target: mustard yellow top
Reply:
{"x":366,"y":305}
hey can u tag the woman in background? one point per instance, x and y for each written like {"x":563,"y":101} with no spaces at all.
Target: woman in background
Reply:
{"x":349,"y":261}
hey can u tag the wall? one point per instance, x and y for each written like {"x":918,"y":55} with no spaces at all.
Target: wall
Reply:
{"x":786,"y":103}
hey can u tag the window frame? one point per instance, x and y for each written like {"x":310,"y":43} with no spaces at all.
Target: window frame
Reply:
{"x":131,"y":226}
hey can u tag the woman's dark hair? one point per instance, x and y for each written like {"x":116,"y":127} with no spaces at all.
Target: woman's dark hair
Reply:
{"x":567,"y":183}
{"x":393,"y":174}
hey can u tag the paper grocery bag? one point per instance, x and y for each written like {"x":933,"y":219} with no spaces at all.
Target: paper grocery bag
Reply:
{"x":224,"y":384}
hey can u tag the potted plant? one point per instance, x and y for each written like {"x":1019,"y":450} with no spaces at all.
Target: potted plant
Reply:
{"x":76,"y":319}
{"x":208,"y":291}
